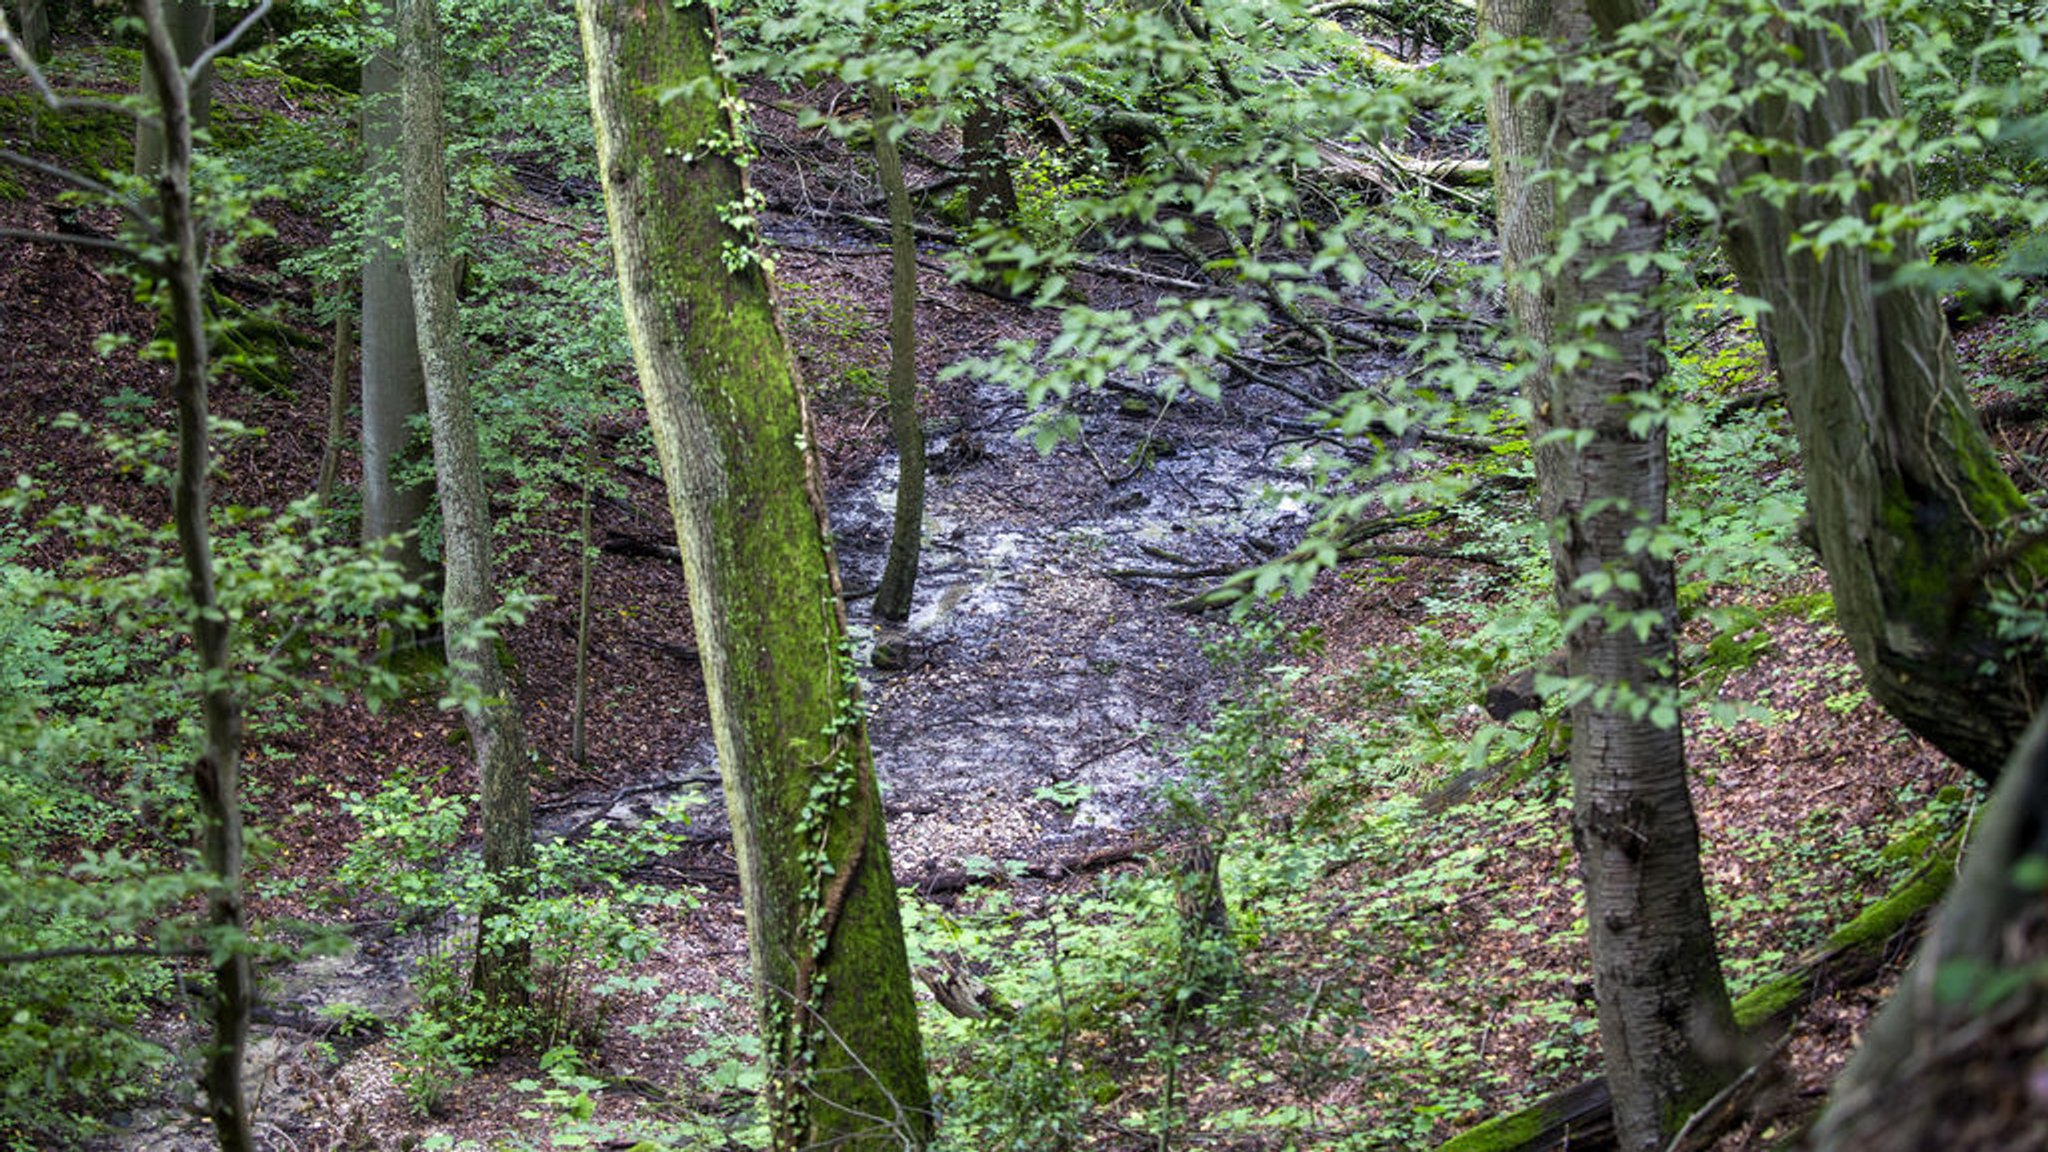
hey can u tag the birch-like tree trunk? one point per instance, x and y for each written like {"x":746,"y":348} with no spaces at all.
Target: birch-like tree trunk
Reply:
{"x":393,"y":391}
{"x":469,"y":595}
{"x":906,"y":428}
{"x":1667,"y":1031}
{"x":216,"y":773}
{"x":838,"y":1018}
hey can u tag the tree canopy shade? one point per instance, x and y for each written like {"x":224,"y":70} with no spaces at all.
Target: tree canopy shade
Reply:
{"x":838,"y":1019}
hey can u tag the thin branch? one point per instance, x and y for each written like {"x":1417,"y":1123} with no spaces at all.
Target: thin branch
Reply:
{"x":29,"y":68}
{"x":43,"y":954}
{"x":77,"y":180}
{"x":35,"y":237}
{"x":226,"y":43}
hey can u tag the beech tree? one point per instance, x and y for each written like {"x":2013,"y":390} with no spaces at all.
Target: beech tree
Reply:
{"x":1589,"y":314}
{"x":832,"y":985}
{"x":469,"y":595}
{"x":393,"y":391}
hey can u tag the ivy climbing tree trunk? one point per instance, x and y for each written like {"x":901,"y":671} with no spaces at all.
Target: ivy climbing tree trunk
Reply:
{"x":216,"y":772}
{"x":1594,"y":326}
{"x":838,"y":1018}
{"x":191,"y":26}
{"x":469,"y":596}
{"x":1915,"y":518}
{"x":393,"y":391}
{"x":906,"y":428}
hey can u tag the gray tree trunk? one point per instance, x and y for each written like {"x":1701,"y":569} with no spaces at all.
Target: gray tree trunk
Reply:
{"x":1915,"y":517}
{"x":191,"y":27}
{"x":469,"y":594}
{"x":337,"y":407}
{"x":838,"y":1018}
{"x":216,"y":773}
{"x":35,"y":28}
{"x":1667,"y":1030}
{"x":906,"y":428}
{"x":393,"y":391}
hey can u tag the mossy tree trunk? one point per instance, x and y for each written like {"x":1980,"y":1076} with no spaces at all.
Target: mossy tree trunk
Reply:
{"x":1945,"y":1064}
{"x":216,"y":772}
{"x":393,"y":391}
{"x":1595,"y":329}
{"x":469,"y":595}
{"x":906,"y":428}
{"x":1914,"y":516}
{"x":838,"y":1018}
{"x":191,"y":27}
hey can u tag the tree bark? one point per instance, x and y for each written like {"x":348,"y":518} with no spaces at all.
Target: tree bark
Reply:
{"x":216,"y":773}
{"x":1667,"y":1030}
{"x":1941,"y":1070}
{"x":337,"y":408}
{"x":35,"y":28}
{"x":838,"y":1017}
{"x":393,"y":391}
{"x":469,"y":597}
{"x":906,"y":428}
{"x":191,"y":27}
{"x":1914,"y":515}
{"x":991,"y":191}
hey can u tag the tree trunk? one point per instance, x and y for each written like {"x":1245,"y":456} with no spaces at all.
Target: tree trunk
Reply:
{"x":991,"y":192}
{"x":838,"y":1017}
{"x":469,"y":595}
{"x":191,"y":27}
{"x":899,"y":575}
{"x":1938,"y":1069}
{"x":337,"y":408}
{"x":393,"y":391}
{"x":1914,"y":515}
{"x":35,"y":28}
{"x":216,"y":773}
{"x":579,"y":747}
{"x":1667,"y":1031}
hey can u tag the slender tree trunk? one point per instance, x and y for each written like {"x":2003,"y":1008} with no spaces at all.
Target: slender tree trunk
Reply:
{"x":906,"y":428}
{"x":35,"y":28}
{"x":191,"y":26}
{"x":216,"y":773}
{"x":393,"y":391}
{"x":469,"y":595}
{"x":337,"y":407}
{"x":587,"y":549}
{"x":838,"y":1018}
{"x":1666,"y":1027}
{"x":1914,"y":515}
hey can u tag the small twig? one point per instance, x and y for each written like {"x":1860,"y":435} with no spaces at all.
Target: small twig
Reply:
{"x":227,"y":42}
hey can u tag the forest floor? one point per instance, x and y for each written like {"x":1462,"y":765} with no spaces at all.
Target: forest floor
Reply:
{"x":1047,"y":703}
